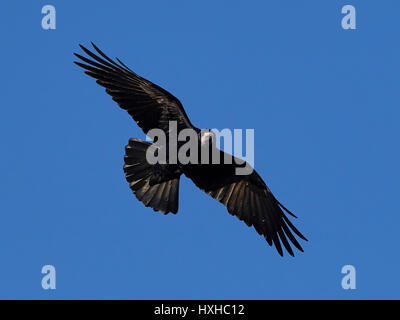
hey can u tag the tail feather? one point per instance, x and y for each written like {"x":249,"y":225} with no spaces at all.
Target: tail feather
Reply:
{"x":163,"y":196}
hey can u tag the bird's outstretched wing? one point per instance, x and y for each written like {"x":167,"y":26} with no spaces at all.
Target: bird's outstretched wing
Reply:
{"x":149,"y":105}
{"x":248,"y":198}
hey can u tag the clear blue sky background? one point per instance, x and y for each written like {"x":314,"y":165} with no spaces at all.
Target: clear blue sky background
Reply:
{"x":324,"y":103}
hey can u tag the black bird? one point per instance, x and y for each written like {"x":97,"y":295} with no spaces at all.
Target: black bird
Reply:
{"x":157,"y":186}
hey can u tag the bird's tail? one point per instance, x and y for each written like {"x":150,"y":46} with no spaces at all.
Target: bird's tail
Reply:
{"x":160,"y":196}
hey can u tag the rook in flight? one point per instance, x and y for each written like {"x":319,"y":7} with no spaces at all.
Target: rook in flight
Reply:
{"x":157,"y":185}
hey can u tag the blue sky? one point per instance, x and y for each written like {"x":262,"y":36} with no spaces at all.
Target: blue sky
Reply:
{"x":324,"y":105}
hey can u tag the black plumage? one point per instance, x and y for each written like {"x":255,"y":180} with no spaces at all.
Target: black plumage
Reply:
{"x":157,"y":186}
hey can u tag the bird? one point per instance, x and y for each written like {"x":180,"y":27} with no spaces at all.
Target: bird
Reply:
{"x":157,"y":185}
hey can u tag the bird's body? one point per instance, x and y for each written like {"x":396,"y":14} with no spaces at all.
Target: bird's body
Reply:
{"x":157,"y":185}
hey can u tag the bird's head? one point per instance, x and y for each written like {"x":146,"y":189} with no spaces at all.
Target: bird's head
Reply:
{"x":206,"y":136}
